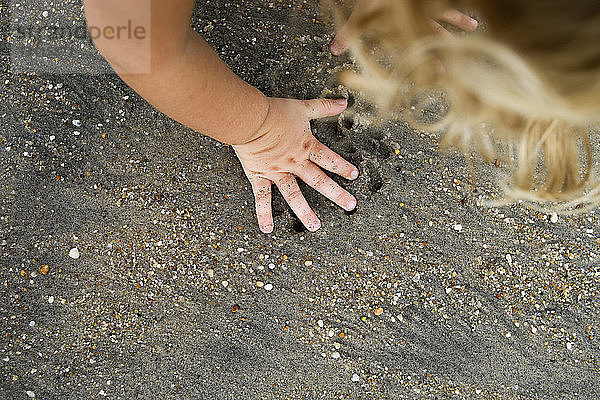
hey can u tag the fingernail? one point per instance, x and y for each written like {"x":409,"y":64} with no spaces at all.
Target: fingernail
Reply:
{"x":351,"y":204}
{"x":354,"y":174}
{"x":267,"y":229}
{"x":315,"y":227}
{"x":341,"y":102}
{"x":474,"y":23}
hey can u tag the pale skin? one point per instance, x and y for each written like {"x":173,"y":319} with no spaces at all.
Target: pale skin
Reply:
{"x":188,"y":82}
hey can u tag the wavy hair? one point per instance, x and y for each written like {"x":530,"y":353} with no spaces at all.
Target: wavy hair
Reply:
{"x":529,"y":82}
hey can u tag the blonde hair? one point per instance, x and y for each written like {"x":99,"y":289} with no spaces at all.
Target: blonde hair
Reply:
{"x":530,"y":80}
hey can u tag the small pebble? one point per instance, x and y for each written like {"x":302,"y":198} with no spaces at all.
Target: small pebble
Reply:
{"x":554,"y":218}
{"x":225,"y":283}
{"x":569,"y":346}
{"x":260,"y":283}
{"x":44,"y":269}
{"x":268,"y":287}
{"x":320,"y":323}
{"x":210,"y":272}
{"x":32,"y":324}
{"x":45,"y":14}
{"x":355,"y":378}
{"x":50,"y":299}
{"x":77,"y":122}
{"x":457,"y":227}
{"x":378,"y":311}
{"x":74,"y":253}
{"x":308,"y":263}
{"x":30,"y":394}
{"x":335,"y":355}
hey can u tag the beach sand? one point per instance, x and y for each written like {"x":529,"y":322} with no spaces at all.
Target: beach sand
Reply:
{"x":422,"y":293}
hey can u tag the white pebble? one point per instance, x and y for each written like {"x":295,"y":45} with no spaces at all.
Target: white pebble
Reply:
{"x":569,"y":346}
{"x":240,"y":250}
{"x":509,"y":259}
{"x":320,"y":323}
{"x":52,"y":137}
{"x":50,"y":299}
{"x":533,"y":329}
{"x":32,"y":324}
{"x":76,"y":133}
{"x":268,"y":287}
{"x":30,"y":394}
{"x":225,"y":283}
{"x":74,"y":253}
{"x":308,"y":263}
{"x":77,"y":122}
{"x":335,"y":355}
{"x":210,"y":272}
{"x":457,"y":227}
{"x":554,"y":218}
{"x":355,"y":378}
{"x":45,"y":14}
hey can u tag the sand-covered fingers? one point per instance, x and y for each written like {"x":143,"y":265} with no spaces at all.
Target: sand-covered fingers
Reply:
{"x":261,"y":187}
{"x":288,"y":186}
{"x":328,"y":159}
{"x":318,"y":180}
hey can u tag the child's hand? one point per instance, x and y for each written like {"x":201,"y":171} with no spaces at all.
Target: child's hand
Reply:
{"x":283,"y":149}
{"x":363,"y":8}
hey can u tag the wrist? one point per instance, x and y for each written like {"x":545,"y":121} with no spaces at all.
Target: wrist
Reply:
{"x":261,"y":105}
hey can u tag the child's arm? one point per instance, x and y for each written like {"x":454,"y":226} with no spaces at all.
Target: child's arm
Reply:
{"x":188,"y":82}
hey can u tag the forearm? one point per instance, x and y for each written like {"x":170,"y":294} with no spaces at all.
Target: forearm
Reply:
{"x":185,"y":78}
{"x":198,"y":90}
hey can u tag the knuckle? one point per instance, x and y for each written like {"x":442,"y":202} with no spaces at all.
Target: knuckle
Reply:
{"x":294,"y":194}
{"x":320,"y":180}
{"x":262,"y":195}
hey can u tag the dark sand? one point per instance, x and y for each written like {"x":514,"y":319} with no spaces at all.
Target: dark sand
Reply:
{"x":505,"y":308}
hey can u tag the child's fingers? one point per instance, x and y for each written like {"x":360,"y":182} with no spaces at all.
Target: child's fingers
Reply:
{"x":290,"y":191}
{"x":439,"y":29}
{"x":261,"y":188}
{"x":340,"y":43}
{"x":318,"y":180}
{"x":459,"y":20}
{"x":328,"y":159}
{"x":321,"y":108}
{"x":350,"y":31}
